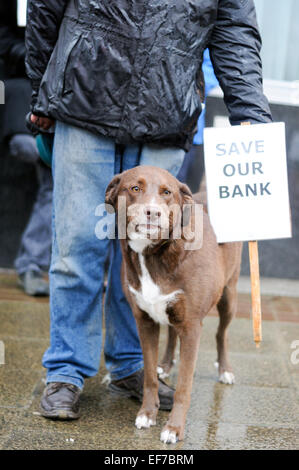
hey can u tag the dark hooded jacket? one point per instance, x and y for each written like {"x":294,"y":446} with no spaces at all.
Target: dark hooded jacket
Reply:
{"x":130,"y":69}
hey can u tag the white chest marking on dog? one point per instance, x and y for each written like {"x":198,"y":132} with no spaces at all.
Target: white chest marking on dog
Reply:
{"x":150,"y":299}
{"x":138,"y":245}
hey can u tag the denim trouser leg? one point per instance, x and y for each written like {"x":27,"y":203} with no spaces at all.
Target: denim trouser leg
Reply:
{"x":35,"y":247}
{"x":168,"y":158}
{"x":83,"y":165}
{"x":123,"y":355}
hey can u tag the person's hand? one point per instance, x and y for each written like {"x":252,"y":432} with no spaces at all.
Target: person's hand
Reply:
{"x":42,"y":122}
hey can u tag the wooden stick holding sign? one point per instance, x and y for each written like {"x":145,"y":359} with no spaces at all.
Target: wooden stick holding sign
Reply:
{"x":255,"y":292}
{"x":255,"y":286}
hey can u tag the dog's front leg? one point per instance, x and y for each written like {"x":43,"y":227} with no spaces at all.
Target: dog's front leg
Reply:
{"x":149,"y":339}
{"x":189,"y":343}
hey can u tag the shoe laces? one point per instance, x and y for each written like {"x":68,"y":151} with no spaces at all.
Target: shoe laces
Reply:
{"x":56,"y":386}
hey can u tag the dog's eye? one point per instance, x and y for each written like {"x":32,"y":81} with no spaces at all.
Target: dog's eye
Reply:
{"x":166,"y":192}
{"x":135,"y":189}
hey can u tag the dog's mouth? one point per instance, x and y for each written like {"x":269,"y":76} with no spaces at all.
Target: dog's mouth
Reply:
{"x":153,"y":228}
{"x":148,"y":227}
{"x":149,"y":230}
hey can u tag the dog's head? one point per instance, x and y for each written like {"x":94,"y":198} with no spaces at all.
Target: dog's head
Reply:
{"x":155,"y":203}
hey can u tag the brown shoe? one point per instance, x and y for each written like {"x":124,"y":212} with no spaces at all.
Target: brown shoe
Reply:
{"x":60,"y":401}
{"x":132,"y":386}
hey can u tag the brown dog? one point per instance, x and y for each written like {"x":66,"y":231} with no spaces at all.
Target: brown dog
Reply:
{"x":165,"y":283}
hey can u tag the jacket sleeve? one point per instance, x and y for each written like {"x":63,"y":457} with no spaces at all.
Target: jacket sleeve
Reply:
{"x":43,"y":22}
{"x":235,"y":46}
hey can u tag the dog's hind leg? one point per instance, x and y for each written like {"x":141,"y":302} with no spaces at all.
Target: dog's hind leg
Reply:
{"x":168,"y":361}
{"x":227,"y":307}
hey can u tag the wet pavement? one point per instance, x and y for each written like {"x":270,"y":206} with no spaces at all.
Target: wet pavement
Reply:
{"x":261,"y":411}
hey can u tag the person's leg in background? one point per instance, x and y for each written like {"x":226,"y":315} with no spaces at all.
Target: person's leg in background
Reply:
{"x":168,"y":158}
{"x":182,"y":174}
{"x":123,"y":355}
{"x":196,"y":170}
{"x":34,"y":250}
{"x":33,"y":255}
{"x":23,"y":147}
{"x":192,"y":170}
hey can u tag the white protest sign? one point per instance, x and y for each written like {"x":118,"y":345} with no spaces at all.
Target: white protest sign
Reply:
{"x":247,"y":184}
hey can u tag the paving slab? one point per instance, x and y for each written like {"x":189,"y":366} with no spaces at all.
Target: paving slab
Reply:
{"x":16,"y":387}
{"x":24,"y":319}
{"x":23,"y":353}
{"x":228,"y":436}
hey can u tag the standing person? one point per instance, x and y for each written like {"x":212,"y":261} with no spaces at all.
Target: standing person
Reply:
{"x":33,"y":256}
{"x":119,"y":78}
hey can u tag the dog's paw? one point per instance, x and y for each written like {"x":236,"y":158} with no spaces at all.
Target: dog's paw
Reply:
{"x":168,"y":436}
{"x":143,"y":421}
{"x":162,"y":373}
{"x":227,"y":378}
{"x":171,"y":434}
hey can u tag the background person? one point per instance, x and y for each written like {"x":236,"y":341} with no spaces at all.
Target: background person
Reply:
{"x":33,"y":256}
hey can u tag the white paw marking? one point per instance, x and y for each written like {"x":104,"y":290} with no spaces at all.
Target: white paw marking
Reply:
{"x":161,"y":373}
{"x":142,"y":421}
{"x":168,"y":437}
{"x":227,"y":378}
{"x":216,"y":364}
{"x":107,"y":379}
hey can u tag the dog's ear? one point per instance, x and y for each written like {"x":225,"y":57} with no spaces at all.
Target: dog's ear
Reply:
{"x":187,"y":203}
{"x":186,"y":194}
{"x":112,"y":192}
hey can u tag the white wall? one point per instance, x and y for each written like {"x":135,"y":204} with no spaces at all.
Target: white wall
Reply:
{"x":279,"y":26}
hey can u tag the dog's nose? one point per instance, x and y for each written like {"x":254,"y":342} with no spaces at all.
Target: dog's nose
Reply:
{"x":152,"y":211}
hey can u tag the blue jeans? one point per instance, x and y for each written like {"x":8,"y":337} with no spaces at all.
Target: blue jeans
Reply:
{"x":35,"y":247}
{"x":83,"y":165}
